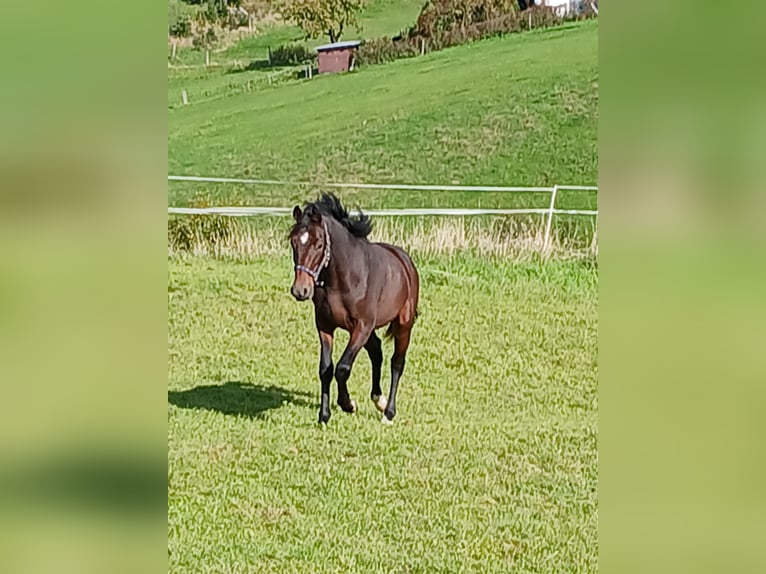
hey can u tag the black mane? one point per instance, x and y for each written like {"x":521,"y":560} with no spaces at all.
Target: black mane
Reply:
{"x":329,"y":204}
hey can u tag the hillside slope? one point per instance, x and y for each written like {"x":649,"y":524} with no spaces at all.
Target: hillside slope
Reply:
{"x":518,"y":110}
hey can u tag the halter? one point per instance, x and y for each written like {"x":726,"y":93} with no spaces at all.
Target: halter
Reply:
{"x":325,"y":260}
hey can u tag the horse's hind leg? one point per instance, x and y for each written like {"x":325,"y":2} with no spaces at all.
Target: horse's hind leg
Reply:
{"x":375,"y":352}
{"x":401,"y":343}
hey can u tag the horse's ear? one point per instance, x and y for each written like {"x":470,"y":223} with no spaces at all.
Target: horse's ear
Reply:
{"x":297,"y":213}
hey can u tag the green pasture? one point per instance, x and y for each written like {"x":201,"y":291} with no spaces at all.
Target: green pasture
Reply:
{"x":490,"y":466}
{"x":518,"y":110}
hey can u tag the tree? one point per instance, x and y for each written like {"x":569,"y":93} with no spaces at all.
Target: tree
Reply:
{"x":320,"y":17}
{"x":215,"y":9}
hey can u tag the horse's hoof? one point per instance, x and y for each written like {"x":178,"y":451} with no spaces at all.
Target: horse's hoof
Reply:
{"x":385,"y":421}
{"x":380,"y":402}
{"x":350,"y":408}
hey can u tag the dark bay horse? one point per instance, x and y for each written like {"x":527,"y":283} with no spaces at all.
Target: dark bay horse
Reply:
{"x":358,"y":286}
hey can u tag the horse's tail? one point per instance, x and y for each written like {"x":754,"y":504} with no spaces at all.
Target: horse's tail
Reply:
{"x":391,"y":331}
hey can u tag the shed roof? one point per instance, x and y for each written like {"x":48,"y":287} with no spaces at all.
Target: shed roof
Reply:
{"x":338,"y":45}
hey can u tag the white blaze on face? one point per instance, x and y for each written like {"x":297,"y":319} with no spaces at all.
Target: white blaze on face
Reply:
{"x":304,"y":238}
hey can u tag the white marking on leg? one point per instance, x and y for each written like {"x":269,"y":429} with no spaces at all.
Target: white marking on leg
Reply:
{"x":384,"y":420}
{"x":304,"y":238}
{"x":380,"y":402}
{"x":353,"y":406}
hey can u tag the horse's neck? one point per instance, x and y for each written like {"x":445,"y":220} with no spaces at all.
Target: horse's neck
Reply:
{"x":343,"y":246}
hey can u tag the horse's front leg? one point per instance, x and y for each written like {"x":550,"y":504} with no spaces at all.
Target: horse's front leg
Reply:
{"x":325,"y":374}
{"x":359,"y":336}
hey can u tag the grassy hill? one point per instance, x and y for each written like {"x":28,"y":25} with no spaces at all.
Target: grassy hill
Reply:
{"x":517,"y":110}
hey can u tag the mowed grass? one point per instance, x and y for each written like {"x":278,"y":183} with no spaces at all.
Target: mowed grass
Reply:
{"x":517,"y":110}
{"x":490,"y":465}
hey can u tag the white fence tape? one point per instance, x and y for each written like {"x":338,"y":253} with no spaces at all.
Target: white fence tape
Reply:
{"x":282,"y":211}
{"x":578,"y":187}
{"x":391,"y":186}
{"x":550,"y":211}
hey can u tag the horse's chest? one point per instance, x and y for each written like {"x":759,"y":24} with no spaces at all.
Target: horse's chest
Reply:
{"x":331,"y":308}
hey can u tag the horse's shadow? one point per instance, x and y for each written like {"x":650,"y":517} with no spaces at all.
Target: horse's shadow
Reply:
{"x":237,"y":398}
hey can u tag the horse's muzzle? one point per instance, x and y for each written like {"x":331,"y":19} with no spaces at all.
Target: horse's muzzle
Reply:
{"x":301,"y":292}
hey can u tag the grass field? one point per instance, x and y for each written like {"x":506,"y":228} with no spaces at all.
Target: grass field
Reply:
{"x":518,"y":110}
{"x":490,"y":465}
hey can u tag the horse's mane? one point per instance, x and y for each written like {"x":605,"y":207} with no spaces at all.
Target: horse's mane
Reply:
{"x":329,"y":204}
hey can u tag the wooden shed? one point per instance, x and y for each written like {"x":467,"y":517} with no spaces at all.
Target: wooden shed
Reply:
{"x":337,"y":57}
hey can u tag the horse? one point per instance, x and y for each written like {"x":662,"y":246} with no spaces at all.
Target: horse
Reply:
{"x":355,"y":285}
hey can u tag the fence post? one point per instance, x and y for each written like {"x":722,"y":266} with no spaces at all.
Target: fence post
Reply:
{"x":594,"y":240}
{"x":207,"y":57}
{"x":184,"y":97}
{"x":547,"y":243}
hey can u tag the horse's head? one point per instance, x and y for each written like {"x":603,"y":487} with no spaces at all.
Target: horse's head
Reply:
{"x":310,"y":241}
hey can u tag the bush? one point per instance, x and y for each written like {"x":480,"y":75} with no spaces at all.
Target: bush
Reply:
{"x":237,"y":17}
{"x":432,"y":33}
{"x":205,"y":37}
{"x":181,"y":28}
{"x":384,"y":50}
{"x":541,"y":17}
{"x":180,"y":18}
{"x":444,"y":16}
{"x":190,"y":232}
{"x":290,"y":55}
